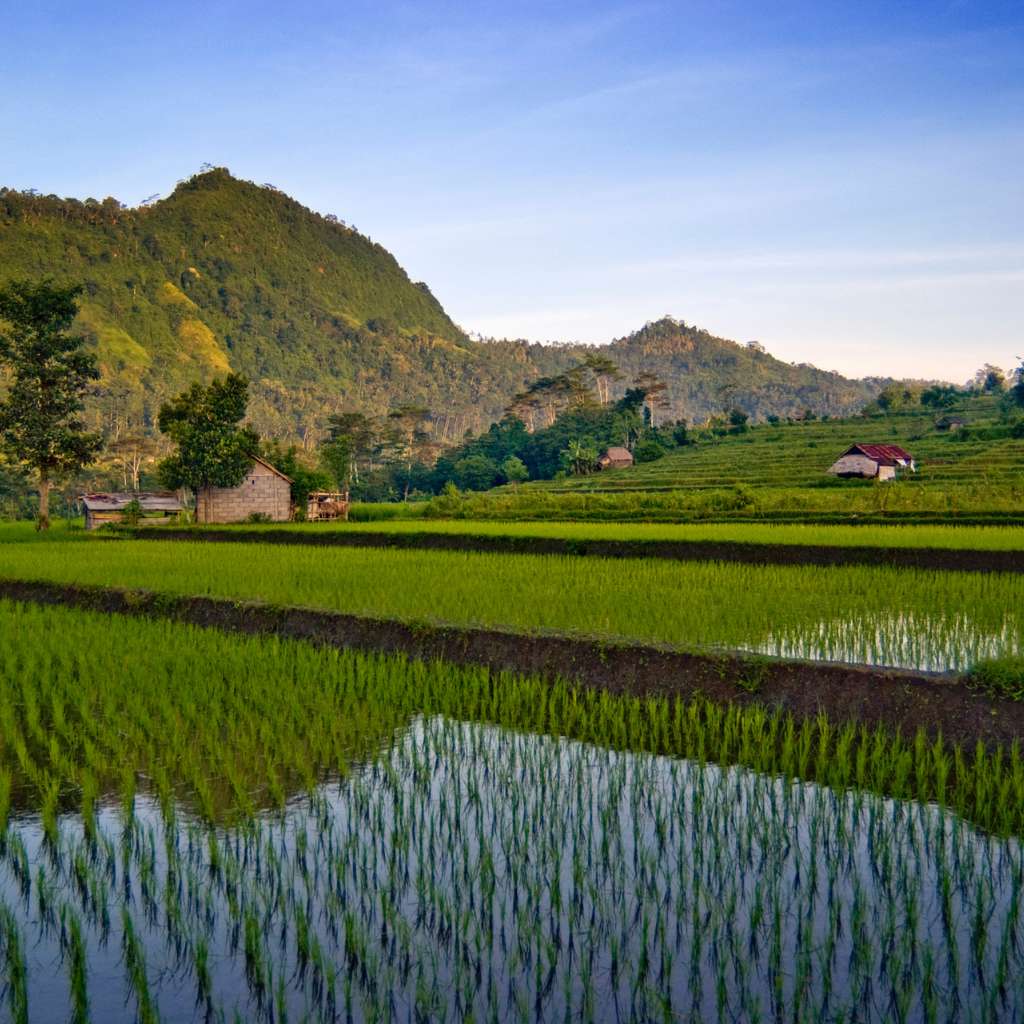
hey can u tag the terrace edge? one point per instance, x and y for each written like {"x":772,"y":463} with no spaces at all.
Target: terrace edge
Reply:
{"x":900,"y":700}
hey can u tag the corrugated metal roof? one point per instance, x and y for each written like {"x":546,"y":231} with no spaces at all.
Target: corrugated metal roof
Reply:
{"x":153,"y":501}
{"x":885,"y":454}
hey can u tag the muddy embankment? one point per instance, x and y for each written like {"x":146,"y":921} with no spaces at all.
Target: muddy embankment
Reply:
{"x":946,"y":559}
{"x":898,"y":699}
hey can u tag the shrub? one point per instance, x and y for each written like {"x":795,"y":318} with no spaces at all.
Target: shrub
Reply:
{"x":999,"y":677}
{"x":648,"y":451}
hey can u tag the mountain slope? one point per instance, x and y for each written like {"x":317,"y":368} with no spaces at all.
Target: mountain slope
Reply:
{"x":225,"y":274}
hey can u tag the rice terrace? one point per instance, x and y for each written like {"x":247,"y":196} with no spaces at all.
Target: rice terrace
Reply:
{"x":568,"y":666}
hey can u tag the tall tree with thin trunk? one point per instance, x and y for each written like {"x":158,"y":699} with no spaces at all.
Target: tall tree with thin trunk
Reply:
{"x":49,"y":375}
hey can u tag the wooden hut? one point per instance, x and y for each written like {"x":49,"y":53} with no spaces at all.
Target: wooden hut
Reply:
{"x":265,"y":493}
{"x":326,"y":505}
{"x":155,"y":508}
{"x":615,"y":458}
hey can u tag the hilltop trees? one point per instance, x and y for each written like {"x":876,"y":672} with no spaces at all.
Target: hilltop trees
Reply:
{"x":49,"y":376}
{"x":214,"y":450}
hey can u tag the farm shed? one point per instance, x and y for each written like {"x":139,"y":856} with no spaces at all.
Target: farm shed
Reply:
{"x":950,"y":423}
{"x":881,"y":461}
{"x":264,"y":492}
{"x":615,"y":458}
{"x":323,"y":505}
{"x":156,"y":507}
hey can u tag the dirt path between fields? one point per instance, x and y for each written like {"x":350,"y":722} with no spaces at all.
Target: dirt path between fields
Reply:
{"x":899,"y":699}
{"x":753,"y":553}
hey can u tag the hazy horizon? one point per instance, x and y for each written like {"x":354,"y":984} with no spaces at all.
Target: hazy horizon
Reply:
{"x":841,"y":185}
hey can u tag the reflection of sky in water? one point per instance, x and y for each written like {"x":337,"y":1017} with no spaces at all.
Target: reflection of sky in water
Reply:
{"x":907,"y":640}
{"x":517,"y":876}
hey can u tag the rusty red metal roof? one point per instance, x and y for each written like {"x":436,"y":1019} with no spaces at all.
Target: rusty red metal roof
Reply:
{"x":884,"y":454}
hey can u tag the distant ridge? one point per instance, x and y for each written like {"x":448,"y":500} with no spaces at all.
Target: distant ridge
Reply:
{"x":226,"y":274}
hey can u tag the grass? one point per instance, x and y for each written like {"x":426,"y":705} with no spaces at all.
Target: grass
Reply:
{"x":456,"y":843}
{"x":916,"y":619}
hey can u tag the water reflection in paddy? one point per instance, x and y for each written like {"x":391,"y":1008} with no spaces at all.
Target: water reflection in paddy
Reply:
{"x":471,"y":871}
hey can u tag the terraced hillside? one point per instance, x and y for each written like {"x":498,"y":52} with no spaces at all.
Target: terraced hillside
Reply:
{"x":780,"y":471}
{"x":797,"y":455}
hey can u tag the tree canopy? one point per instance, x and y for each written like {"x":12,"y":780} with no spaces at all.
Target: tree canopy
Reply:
{"x":214,"y":450}
{"x":50,"y":374}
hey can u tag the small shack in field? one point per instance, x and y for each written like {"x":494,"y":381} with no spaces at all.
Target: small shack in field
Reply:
{"x":155,"y":508}
{"x":879,"y":461}
{"x":950,"y":424}
{"x":326,"y":505}
{"x":615,"y":458}
{"x":265,"y":493}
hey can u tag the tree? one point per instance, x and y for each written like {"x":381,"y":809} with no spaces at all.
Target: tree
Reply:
{"x":648,"y":451}
{"x":738,"y":420}
{"x":1017,"y":391}
{"x":514,"y":470}
{"x":305,"y":478}
{"x":336,"y":460}
{"x":355,"y":433}
{"x":605,"y":371}
{"x":580,"y":457}
{"x":204,"y":422}
{"x":655,"y":393}
{"x":410,"y":441}
{"x":49,"y":378}
{"x":476,"y":473}
{"x":940,"y":396}
{"x":130,"y":453}
{"x":989,"y":379}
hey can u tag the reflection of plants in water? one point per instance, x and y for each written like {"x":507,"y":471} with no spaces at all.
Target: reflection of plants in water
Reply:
{"x":476,"y":871}
{"x":224,"y":727}
{"x":941,"y":642}
{"x":466,"y":869}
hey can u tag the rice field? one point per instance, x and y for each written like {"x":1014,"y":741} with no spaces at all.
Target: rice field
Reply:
{"x":874,"y":615}
{"x":195,"y":826}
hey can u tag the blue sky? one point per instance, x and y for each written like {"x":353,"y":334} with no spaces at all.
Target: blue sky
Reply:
{"x":842,"y":182}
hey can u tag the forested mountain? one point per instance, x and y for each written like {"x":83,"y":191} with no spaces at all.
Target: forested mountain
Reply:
{"x":225,"y":274}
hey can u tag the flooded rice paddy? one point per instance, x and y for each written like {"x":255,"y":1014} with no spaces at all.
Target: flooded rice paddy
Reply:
{"x":470,"y":872}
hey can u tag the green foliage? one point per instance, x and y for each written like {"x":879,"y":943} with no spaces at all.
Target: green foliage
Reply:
{"x":226,"y":275}
{"x":213,"y":450}
{"x":305,"y":478}
{"x":648,"y":451}
{"x":1000,"y":677}
{"x":49,"y":376}
{"x":514,"y":470}
{"x":475,"y":473}
{"x":580,"y":457}
{"x":132,"y":512}
{"x":335,"y":456}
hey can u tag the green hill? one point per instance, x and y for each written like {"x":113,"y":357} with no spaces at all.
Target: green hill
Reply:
{"x":226,"y":274}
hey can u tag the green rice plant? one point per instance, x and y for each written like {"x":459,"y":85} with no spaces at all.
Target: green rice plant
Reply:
{"x":913,"y":618}
{"x":483,"y":844}
{"x":15,"y":969}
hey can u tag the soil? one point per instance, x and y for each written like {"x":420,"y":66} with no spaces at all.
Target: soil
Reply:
{"x":897,"y":699}
{"x":945,"y":559}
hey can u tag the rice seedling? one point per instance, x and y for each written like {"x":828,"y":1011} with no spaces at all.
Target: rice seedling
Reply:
{"x":876,"y":615}
{"x":458,"y":844}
